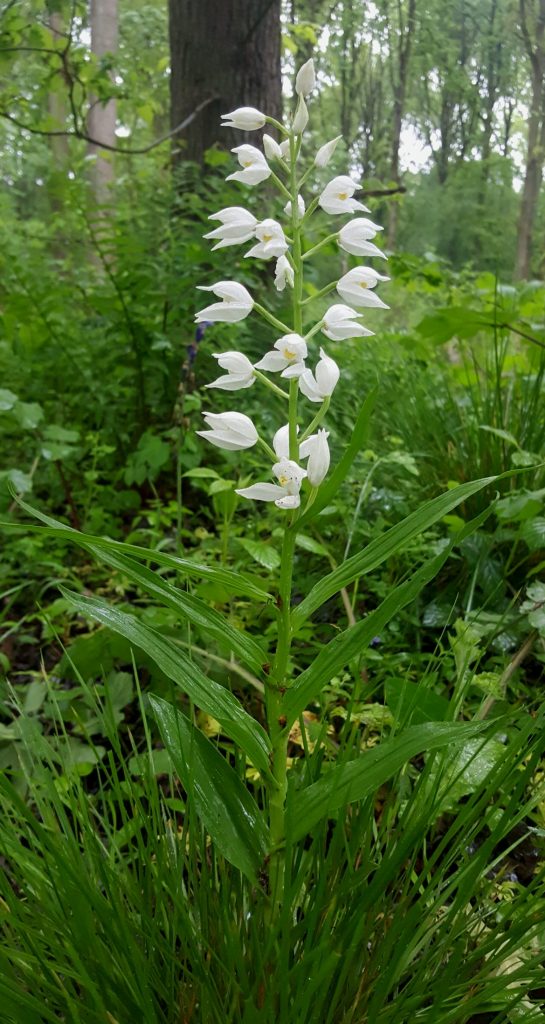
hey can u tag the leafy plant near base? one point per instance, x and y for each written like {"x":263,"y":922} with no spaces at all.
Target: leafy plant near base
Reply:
{"x":277,"y":829}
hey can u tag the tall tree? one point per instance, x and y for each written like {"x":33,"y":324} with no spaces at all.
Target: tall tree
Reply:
{"x":102,"y":115}
{"x":401,"y":24}
{"x":532,"y":24}
{"x":226,"y":52}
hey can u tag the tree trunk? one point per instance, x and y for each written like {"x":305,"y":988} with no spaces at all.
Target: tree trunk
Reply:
{"x":102,"y":116}
{"x":535,"y":48}
{"x":400,"y":78}
{"x":228,"y":51}
{"x":530,"y":191}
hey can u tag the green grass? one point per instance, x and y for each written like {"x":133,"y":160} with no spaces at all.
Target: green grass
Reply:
{"x":115,"y":907}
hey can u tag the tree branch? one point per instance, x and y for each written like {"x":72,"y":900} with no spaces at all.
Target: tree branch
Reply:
{"x":78,"y":134}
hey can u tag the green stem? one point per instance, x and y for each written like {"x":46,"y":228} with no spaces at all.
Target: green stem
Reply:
{"x":317,"y":419}
{"x":316,"y":248}
{"x":272,"y":455}
{"x":280,"y":185}
{"x":317,"y":327}
{"x":277,"y":124}
{"x":272,"y":319}
{"x":279,"y":680}
{"x":273,"y":387}
{"x":310,"y":209}
{"x":323,"y":291}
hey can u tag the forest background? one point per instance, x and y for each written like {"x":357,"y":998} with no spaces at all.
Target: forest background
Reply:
{"x":112,"y":160}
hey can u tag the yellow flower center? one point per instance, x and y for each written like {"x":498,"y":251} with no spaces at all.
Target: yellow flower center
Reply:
{"x":343,"y":195}
{"x":247,"y":163}
{"x":288,"y":354}
{"x":267,"y":238}
{"x":283,"y":480}
{"x":363,"y":284}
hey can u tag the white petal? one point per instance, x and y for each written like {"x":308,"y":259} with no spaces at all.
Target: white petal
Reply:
{"x":232,"y":382}
{"x":288,"y":501}
{"x":293,"y":370}
{"x":281,"y":442}
{"x":305,"y":79}
{"x":262,"y":492}
{"x":272,"y":362}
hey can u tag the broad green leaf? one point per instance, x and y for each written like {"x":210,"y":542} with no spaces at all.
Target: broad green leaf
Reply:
{"x":358,"y":779}
{"x":330,"y":487}
{"x":188,"y":607}
{"x":414,"y":703}
{"x":7,"y":399}
{"x":503,"y":434}
{"x":385,"y":546}
{"x":263,"y":552}
{"x":22,"y":482}
{"x":533,"y":533}
{"x":464,"y":770}
{"x":351,"y":642}
{"x":234,"y":582}
{"x":208,"y":694}
{"x":227,"y":810}
{"x":28,"y":414}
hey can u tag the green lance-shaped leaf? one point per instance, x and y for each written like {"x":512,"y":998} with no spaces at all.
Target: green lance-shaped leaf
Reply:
{"x":358,"y":779}
{"x":331,"y":486}
{"x":234,"y":582}
{"x":227,"y":810}
{"x":385,"y":546}
{"x":208,"y":694}
{"x":186,"y":605}
{"x":351,"y":642}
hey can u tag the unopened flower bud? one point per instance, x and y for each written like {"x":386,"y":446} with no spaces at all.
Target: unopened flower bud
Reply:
{"x":306,"y":79}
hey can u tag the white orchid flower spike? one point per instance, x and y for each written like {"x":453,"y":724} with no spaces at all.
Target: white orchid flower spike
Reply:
{"x":232,"y":431}
{"x":255,"y":168}
{"x":236,"y":303}
{"x":285,"y":493}
{"x":237,"y":225}
{"x":240,"y":372}
{"x":356,"y":287}
{"x":337,"y":196}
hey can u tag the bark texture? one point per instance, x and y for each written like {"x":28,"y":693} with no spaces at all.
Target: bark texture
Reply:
{"x":102,"y":116}
{"x":534,"y":42}
{"x":228,"y":50}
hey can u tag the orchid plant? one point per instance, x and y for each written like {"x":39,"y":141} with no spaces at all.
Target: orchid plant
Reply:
{"x":298,"y":369}
{"x":300,"y":452}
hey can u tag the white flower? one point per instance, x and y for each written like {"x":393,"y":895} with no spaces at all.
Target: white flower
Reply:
{"x":237,"y":225}
{"x":354,"y":237}
{"x":300,"y":206}
{"x":325,"y":152}
{"x":300,"y":120}
{"x":236,"y":303}
{"x":356,"y":285}
{"x":320,"y":384}
{"x":255,"y":167}
{"x":338,"y":323}
{"x":281,"y":442}
{"x":288,"y":353}
{"x":337,"y":196}
{"x":285,"y":494}
{"x":230,"y":430}
{"x":285,"y":148}
{"x":283,"y":274}
{"x":272,"y":241}
{"x":245,"y":118}
{"x":272,"y":149}
{"x":240,"y":372}
{"x":316,"y":449}
{"x":306,"y":79}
